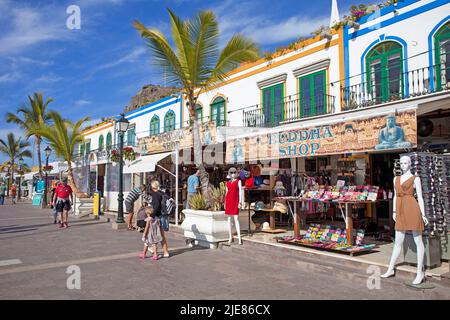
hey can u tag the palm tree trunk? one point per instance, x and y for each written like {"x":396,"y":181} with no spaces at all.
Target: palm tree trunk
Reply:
{"x":38,"y":145}
{"x":71,"y":180}
{"x":198,"y":152}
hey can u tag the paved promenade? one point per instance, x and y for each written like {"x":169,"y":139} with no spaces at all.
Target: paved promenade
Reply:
{"x":35,"y":256}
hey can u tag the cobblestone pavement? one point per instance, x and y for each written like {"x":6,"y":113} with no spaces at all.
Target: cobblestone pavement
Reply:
{"x":35,"y":255}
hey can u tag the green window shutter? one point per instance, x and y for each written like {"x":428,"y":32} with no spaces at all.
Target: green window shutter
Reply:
{"x":82,"y":148}
{"x":131,"y":135}
{"x":384,"y":72}
{"x":88,"y":147}
{"x":273,"y":104}
{"x":199,"y":113}
{"x":154,"y":126}
{"x":218,"y":111}
{"x":109,"y":141}
{"x":313,"y":94}
{"x":442,"y":56}
{"x":169,"y":121}
{"x":100,"y":143}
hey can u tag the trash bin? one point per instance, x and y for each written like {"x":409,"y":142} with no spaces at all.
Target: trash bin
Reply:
{"x":97,"y":204}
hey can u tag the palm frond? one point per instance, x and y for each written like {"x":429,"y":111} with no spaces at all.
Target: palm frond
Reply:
{"x":205,"y":34}
{"x":239,"y":49}
{"x":163,"y":55}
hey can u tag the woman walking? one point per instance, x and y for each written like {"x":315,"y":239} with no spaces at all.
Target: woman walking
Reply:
{"x":157,"y":203}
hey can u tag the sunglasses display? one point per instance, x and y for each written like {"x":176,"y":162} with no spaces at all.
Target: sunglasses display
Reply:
{"x":434,"y":173}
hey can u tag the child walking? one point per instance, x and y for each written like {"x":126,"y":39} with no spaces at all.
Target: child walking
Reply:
{"x":152,"y":234}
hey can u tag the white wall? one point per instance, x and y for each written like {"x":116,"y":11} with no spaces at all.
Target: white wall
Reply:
{"x":141,"y":117}
{"x":245,"y":92}
{"x":93,"y":137}
{"x":414,"y":31}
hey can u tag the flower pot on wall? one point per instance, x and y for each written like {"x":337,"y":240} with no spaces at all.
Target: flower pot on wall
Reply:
{"x":206,"y":228}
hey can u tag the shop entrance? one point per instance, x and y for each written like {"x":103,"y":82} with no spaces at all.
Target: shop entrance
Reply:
{"x":101,"y":168}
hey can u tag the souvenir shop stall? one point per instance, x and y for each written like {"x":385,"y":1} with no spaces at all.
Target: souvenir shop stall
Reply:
{"x":326,"y":191}
{"x":323,"y":176}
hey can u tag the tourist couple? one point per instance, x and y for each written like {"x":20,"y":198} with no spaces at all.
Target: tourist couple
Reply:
{"x":153,"y":230}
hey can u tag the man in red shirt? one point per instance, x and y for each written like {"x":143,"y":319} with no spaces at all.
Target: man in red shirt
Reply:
{"x":63,"y":200}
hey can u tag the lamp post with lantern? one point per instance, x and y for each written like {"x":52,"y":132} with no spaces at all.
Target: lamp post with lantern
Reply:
{"x":47,"y":151}
{"x":122,"y":127}
{"x":20,"y":175}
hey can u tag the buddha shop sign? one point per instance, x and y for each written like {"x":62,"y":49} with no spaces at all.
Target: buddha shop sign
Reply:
{"x":180,"y":138}
{"x":383,"y":132}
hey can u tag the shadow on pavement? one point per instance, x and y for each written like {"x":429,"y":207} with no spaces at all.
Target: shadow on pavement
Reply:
{"x":19,"y":230}
{"x":183,"y":250}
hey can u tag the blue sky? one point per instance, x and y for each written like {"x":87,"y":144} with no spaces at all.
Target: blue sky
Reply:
{"x":94,"y":71}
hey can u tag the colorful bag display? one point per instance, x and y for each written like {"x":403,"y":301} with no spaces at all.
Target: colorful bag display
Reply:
{"x":258,"y":180}
{"x":249,"y":183}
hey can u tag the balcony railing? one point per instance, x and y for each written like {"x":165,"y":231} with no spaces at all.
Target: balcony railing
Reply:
{"x":398,"y":87}
{"x":101,"y":154}
{"x":294,"y":108}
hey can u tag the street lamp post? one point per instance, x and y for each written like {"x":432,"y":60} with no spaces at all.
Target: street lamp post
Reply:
{"x":47,"y":151}
{"x":122,"y":128}
{"x":10,"y":177}
{"x":20,"y":175}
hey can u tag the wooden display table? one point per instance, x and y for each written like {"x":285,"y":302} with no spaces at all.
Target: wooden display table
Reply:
{"x":345,"y":214}
{"x":272,"y":221}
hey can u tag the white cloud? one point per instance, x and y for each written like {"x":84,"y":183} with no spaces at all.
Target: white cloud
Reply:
{"x":90,"y":123}
{"x":9,"y":77}
{"x":284,"y":30}
{"x":18,"y":132}
{"x":28,"y":26}
{"x":25,"y":60}
{"x":82,"y":102}
{"x":242,"y":17}
{"x":49,"y":78}
{"x":130,"y":57}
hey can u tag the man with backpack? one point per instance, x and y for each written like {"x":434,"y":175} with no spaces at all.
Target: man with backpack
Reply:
{"x":132,"y":197}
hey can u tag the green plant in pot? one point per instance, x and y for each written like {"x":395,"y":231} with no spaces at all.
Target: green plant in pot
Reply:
{"x":217,"y":196}
{"x":198,"y":202}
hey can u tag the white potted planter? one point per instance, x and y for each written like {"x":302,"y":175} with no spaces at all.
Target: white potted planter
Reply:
{"x":83,"y":206}
{"x":206,"y":228}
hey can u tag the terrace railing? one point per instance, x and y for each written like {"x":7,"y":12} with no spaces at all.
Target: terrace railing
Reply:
{"x":292,"y":109}
{"x":396,"y":87}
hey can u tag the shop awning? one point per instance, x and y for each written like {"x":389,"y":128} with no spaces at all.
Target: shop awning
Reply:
{"x":29,"y":176}
{"x":145,"y":163}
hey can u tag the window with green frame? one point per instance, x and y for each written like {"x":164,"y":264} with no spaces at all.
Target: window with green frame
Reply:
{"x":88,"y":147}
{"x":100,"y":142}
{"x":273,"y":103}
{"x":384,"y":71}
{"x":218,"y":111}
{"x":154,"y":126}
{"x":82,"y":148}
{"x":199,"y":112}
{"x":169,"y":121}
{"x":109,"y":141}
{"x":313,"y":94}
{"x":131,"y":135}
{"x":442,"y":56}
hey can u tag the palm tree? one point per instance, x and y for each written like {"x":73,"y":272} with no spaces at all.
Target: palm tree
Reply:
{"x":13,"y":149}
{"x":31,"y":118}
{"x":196,"y":63}
{"x":62,"y":136}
